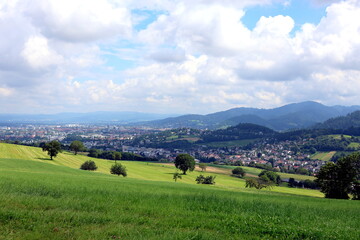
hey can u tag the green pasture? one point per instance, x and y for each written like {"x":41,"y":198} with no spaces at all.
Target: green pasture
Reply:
{"x":39,"y":200}
{"x":323,"y":156}
{"x":354,"y":145}
{"x":253,"y":172}
{"x":338,"y":136}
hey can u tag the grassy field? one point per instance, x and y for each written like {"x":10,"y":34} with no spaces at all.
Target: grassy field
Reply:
{"x":254,"y":172}
{"x":354,"y":145}
{"x":43,"y":199}
{"x":323,"y":156}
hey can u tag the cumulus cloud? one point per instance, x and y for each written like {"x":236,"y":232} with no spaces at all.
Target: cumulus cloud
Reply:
{"x":196,"y":56}
{"x":79,"y":20}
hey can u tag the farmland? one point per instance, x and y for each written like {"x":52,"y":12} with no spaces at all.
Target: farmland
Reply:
{"x":43,"y":199}
{"x":323,"y":156}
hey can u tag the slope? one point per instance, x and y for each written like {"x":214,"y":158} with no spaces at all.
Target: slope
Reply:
{"x":47,"y":201}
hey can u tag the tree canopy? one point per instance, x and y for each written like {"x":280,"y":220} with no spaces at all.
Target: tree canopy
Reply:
{"x":77,"y":146}
{"x":338,"y":180}
{"x":185,"y":162}
{"x":52,"y":148}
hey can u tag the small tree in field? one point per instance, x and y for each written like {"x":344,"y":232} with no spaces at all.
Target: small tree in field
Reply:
{"x":176,"y":176}
{"x":88,"y":165}
{"x":77,"y":146}
{"x":205,"y":180}
{"x":238,"y":172}
{"x":52,"y":148}
{"x":185,"y":162}
{"x":203,"y":166}
{"x":118,"y":169}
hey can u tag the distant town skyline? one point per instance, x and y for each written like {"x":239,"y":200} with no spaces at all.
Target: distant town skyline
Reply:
{"x":176,"y":56}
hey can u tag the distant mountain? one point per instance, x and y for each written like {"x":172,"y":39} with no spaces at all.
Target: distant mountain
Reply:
{"x":291,"y":116}
{"x":81,"y":118}
{"x":351,"y":120}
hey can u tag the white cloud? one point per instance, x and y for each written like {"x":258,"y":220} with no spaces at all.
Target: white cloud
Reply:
{"x":38,"y":53}
{"x":197,"y":56}
{"x":80,"y":20}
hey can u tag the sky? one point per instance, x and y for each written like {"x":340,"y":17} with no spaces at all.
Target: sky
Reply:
{"x":176,"y":56}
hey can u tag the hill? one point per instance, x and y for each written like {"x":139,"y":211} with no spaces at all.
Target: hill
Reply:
{"x":291,"y":116}
{"x":42,"y":200}
{"x":352,"y":120}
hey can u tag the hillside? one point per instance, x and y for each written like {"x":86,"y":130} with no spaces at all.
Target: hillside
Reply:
{"x":136,"y":170}
{"x":351,"y":120}
{"x":291,"y":116}
{"x":42,"y":200}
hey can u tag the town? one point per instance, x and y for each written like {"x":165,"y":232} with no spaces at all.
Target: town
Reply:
{"x":282,"y":156}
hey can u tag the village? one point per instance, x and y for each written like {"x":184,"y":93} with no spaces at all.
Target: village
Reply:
{"x":281,"y":156}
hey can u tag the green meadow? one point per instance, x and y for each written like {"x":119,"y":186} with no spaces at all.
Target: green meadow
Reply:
{"x":43,"y":199}
{"x":323,"y":156}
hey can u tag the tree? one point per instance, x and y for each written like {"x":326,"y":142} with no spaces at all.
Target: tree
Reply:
{"x":185,"y":162}
{"x":88,"y":165}
{"x":238,"y":172}
{"x":118,"y":169}
{"x":77,"y":146}
{"x":176,"y":176}
{"x":203,"y":166}
{"x":338,"y":180}
{"x":52,"y":148}
{"x":205,"y":180}
{"x":258,"y":183}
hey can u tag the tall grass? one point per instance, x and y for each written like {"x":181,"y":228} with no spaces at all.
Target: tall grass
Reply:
{"x":44,"y":201}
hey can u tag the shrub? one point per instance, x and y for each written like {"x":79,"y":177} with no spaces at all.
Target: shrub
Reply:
{"x":205,"y":180}
{"x":118,"y":169}
{"x":88,"y":165}
{"x":238,"y":172}
{"x":176,"y":176}
{"x":258,"y":183}
{"x":270,"y":176}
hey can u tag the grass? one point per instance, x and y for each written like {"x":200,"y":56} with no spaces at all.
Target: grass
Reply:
{"x":46,"y":201}
{"x":42,"y":199}
{"x":254,"y":172}
{"x":323,"y":156}
{"x":354,"y":145}
{"x":338,"y":136}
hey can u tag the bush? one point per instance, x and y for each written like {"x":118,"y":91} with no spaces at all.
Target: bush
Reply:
{"x":88,"y":165}
{"x":270,"y":176}
{"x":118,"y":169}
{"x":205,"y":180}
{"x":238,"y":172}
{"x":258,"y":183}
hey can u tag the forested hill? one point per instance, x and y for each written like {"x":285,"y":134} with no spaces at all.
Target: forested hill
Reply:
{"x":238,"y":132}
{"x":351,"y":120}
{"x":291,"y":116}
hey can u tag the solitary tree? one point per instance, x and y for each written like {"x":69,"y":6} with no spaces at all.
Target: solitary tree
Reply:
{"x":52,"y":148}
{"x":118,"y":169}
{"x":203,"y":166}
{"x":88,"y":165}
{"x":185,"y":162}
{"x":77,"y":146}
{"x":176,"y":176}
{"x":238,"y":172}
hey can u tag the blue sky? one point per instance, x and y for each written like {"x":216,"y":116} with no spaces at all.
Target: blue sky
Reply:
{"x":176,"y":56}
